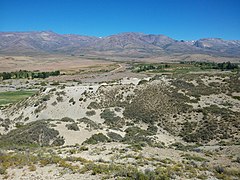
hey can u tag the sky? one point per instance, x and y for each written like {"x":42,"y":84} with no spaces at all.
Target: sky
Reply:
{"x":179,"y":19}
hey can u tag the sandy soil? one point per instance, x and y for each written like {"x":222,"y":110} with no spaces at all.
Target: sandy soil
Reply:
{"x":46,"y":173}
{"x":47,"y":63}
{"x":220,"y":100}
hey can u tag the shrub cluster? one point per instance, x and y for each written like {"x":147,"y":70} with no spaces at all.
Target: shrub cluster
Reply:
{"x":73,"y":127}
{"x":32,"y":134}
{"x":96,"y":138}
{"x":111,"y":119}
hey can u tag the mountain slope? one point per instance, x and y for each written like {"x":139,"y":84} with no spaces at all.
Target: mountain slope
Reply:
{"x":123,"y":44}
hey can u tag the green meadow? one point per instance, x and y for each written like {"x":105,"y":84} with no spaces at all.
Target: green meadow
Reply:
{"x":14,"y":96}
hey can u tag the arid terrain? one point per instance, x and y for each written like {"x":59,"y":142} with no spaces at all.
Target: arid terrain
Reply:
{"x":117,"y":119}
{"x":49,"y":63}
{"x":120,"y":90}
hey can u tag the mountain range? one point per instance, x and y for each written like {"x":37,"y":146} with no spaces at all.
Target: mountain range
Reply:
{"x":129,"y":44}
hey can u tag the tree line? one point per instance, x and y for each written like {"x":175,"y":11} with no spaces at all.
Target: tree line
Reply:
{"x":23,"y":74}
{"x":146,"y":67}
{"x":212,"y":65}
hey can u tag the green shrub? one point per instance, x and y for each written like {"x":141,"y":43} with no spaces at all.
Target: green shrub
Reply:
{"x":72,"y":101}
{"x":59,"y":141}
{"x":19,"y":124}
{"x":43,"y":83}
{"x":96,"y":138}
{"x":59,"y":99}
{"x":111,"y":119}
{"x":5,"y":123}
{"x":67,"y":119}
{"x":93,"y":105}
{"x":107,"y":114}
{"x":90,"y":124}
{"x":182,"y":147}
{"x":28,"y":135}
{"x":194,"y":158}
{"x":59,"y":93}
{"x":3,"y":170}
{"x":54,"y":103}
{"x":83,"y":148}
{"x":137,"y":135}
{"x":46,"y":97}
{"x":32,"y":167}
{"x":91,"y":113}
{"x":150,"y":104}
{"x":114,"y":136}
{"x":73,"y":127}
{"x":152,"y":129}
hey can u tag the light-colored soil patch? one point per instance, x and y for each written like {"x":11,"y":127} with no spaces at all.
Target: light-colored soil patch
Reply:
{"x":47,"y":63}
{"x":73,"y":137}
{"x":221,"y":100}
{"x":48,"y":172}
{"x":214,"y":79}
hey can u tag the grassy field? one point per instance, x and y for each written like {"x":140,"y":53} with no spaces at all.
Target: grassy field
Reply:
{"x":14,"y":96}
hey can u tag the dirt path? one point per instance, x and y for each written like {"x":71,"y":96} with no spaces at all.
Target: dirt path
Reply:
{"x":121,"y":68}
